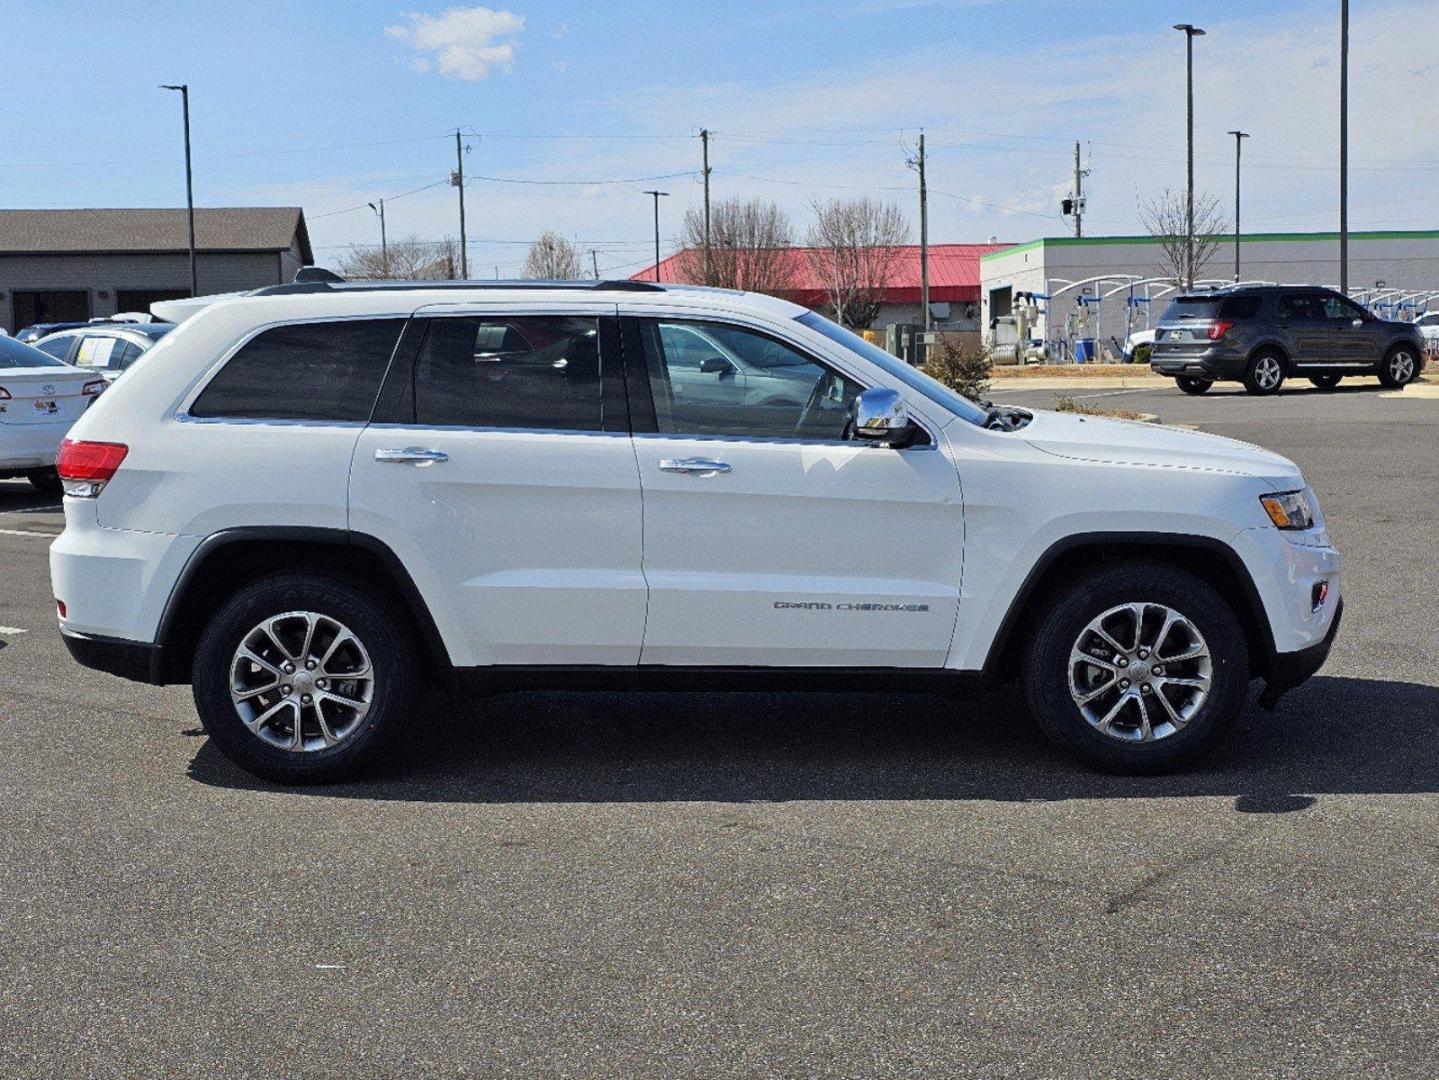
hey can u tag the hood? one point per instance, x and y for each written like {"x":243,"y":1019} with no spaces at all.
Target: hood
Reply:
{"x":1131,"y":442}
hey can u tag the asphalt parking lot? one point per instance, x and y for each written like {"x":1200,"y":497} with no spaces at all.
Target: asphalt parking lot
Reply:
{"x":751,"y":885}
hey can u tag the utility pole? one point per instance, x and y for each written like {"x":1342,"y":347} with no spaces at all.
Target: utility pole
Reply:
{"x":657,"y":195}
{"x":1190,"y":33}
{"x":1079,"y":175}
{"x":923,"y":239}
{"x":384,"y":245}
{"x":705,"y":143}
{"x":1344,"y":147}
{"x":1239,"y":137}
{"x":595,"y":263}
{"x":457,"y":179}
{"x":189,"y":180}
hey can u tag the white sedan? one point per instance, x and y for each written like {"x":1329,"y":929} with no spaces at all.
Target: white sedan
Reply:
{"x":40,"y":397}
{"x":1428,"y":325}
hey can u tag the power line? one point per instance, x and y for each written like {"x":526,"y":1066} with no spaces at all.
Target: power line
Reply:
{"x":583,"y":183}
{"x":388,"y":198}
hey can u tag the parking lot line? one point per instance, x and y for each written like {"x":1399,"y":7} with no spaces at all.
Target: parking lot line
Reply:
{"x":10,"y":631}
{"x":28,"y":532}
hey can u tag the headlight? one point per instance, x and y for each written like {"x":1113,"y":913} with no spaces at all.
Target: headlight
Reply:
{"x":1288,"y":510}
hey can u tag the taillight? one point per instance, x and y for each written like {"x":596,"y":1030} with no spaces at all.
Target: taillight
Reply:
{"x":86,"y":467}
{"x":93,"y":387}
{"x":1219,"y":328}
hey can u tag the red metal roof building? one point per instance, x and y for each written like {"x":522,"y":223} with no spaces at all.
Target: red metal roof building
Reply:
{"x":953,"y":275}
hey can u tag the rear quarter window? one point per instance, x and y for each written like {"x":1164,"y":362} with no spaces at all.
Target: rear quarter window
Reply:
{"x":324,"y":371}
{"x":1241,"y":307}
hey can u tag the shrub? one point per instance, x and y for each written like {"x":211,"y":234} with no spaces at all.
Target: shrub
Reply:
{"x":1142,"y":353}
{"x":965,"y":371}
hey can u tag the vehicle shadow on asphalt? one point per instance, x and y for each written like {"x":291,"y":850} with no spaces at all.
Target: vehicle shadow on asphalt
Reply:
{"x":1332,"y":736}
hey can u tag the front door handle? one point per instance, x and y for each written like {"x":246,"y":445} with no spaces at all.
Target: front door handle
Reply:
{"x":696,"y":465}
{"x":412,"y":455}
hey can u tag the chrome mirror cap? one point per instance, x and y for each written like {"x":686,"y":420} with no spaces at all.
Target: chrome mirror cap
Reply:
{"x":880,"y":415}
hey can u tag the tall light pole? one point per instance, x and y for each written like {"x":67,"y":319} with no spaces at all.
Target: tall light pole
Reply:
{"x":657,"y":195}
{"x":1239,"y":137}
{"x":457,"y":180}
{"x":1190,"y":33}
{"x":184,"y":89}
{"x":1344,"y":146}
{"x":384,"y":245}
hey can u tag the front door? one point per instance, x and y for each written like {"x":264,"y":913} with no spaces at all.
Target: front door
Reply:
{"x":502,"y":475}
{"x":770,"y":539}
{"x":1353,"y":344}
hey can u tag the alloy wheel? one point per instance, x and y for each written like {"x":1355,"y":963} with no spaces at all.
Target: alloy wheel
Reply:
{"x":1401,"y":366}
{"x":1140,"y":672}
{"x":1267,"y":372}
{"x":302,"y":681}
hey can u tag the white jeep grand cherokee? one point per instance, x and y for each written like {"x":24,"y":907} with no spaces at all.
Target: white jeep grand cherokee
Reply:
{"x":307,"y":501}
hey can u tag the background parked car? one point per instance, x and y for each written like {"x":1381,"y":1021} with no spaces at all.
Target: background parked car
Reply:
{"x":40,"y":397}
{"x":31,"y":334}
{"x":1260,"y":335}
{"x":1428,"y":325}
{"x":105,"y":348}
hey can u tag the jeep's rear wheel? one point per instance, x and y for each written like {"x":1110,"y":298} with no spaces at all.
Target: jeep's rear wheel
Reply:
{"x":1325,"y":382}
{"x":301,"y":677}
{"x":1265,"y":373}
{"x":1137,"y":669}
{"x":1191,"y":385}
{"x":1399,"y":367}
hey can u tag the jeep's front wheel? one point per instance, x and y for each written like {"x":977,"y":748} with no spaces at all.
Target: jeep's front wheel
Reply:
{"x":1137,"y":669}
{"x":301,"y":677}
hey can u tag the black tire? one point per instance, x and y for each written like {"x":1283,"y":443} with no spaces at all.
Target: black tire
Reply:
{"x":1190,"y":385}
{"x":1399,"y":367}
{"x":379,"y":630}
{"x":1059,"y":630}
{"x":1257,"y":377}
{"x":46,"y":482}
{"x":1325,"y":382}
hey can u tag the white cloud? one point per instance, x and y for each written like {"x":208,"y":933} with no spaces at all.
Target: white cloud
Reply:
{"x":463,"y":43}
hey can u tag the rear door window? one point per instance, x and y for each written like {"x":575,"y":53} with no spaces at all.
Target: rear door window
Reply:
{"x":322,"y":371}
{"x":1300,"y":307}
{"x":538,"y":372}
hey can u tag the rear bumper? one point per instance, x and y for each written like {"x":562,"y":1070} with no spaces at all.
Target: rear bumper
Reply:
{"x":30,"y":446}
{"x":1210,"y":363}
{"x":137,"y":661}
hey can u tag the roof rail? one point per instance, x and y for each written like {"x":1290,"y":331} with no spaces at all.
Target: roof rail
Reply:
{"x":315,"y":284}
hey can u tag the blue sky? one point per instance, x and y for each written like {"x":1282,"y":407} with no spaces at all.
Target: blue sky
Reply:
{"x":330,"y":105}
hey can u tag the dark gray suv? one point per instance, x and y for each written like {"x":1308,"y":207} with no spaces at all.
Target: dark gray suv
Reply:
{"x":1261,"y":334}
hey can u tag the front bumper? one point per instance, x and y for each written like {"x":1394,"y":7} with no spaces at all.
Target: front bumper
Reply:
{"x":1288,"y":670}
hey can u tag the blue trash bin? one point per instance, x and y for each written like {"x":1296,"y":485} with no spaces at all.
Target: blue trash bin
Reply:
{"x":1084,"y":351}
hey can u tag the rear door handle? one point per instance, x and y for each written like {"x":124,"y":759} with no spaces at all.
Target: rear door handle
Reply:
{"x":412,"y":455}
{"x":698,"y":466}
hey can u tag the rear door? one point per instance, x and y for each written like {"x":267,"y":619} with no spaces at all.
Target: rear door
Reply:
{"x":499,"y":469}
{"x":770,"y":540}
{"x":1309,"y":328}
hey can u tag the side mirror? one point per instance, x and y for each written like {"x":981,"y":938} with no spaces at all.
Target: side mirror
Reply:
{"x":714,"y":365}
{"x":880,"y":416}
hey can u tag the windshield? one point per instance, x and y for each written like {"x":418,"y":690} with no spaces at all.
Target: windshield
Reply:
{"x":912,"y":377}
{"x":16,"y":354}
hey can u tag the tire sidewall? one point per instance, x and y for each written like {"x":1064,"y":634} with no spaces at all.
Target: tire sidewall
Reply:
{"x":369,"y":619}
{"x":1046,"y":675}
{"x":1193,"y":386}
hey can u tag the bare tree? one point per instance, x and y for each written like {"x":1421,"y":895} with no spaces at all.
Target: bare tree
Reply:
{"x":552,"y":258}
{"x":750,"y":241}
{"x":1167,"y":220}
{"x":410,"y":259}
{"x":853,"y":246}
